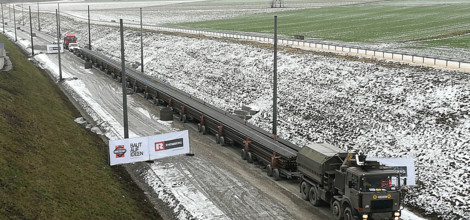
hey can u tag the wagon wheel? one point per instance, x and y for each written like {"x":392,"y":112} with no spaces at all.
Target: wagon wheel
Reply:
{"x":249,"y":157}
{"x":222,"y":140}
{"x":304,"y":190}
{"x":276,"y":174}
{"x":243,"y":154}
{"x":269,"y":170}
{"x":336,"y":209}
{"x":314,"y":196}
{"x":348,"y":214}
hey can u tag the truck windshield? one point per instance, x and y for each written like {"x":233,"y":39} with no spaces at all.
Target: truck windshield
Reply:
{"x":70,"y":38}
{"x":379,"y":183}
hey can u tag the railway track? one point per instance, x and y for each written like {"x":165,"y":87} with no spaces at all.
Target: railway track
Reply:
{"x":278,"y":155}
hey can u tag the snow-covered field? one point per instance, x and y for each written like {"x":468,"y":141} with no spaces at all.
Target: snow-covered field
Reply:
{"x":387,"y":110}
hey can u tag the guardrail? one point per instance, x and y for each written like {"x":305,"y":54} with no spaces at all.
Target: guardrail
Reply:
{"x":309,"y":44}
{"x":397,"y":56}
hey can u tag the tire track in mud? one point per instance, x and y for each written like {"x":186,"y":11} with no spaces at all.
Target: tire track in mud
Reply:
{"x":236,"y":198}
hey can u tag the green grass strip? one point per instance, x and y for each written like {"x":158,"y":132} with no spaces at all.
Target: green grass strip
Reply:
{"x":50,"y":167}
{"x":369,"y":23}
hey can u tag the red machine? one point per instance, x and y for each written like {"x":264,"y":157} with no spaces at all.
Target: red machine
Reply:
{"x":69,"y":38}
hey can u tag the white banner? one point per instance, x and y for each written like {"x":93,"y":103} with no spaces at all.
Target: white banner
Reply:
{"x":148,"y":148}
{"x":166,"y":145}
{"x":53,"y":48}
{"x":404,"y":165}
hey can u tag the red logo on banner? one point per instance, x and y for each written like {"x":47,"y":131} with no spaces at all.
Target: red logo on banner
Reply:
{"x":120,"y":151}
{"x":159,"y":146}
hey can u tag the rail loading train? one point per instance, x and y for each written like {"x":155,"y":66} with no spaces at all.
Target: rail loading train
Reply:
{"x":281,"y":158}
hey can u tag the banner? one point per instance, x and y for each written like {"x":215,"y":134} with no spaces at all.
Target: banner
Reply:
{"x":148,"y":148}
{"x":404,"y":165}
{"x":53,"y":48}
{"x":166,"y":145}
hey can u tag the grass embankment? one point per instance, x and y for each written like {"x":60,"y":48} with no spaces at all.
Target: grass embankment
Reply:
{"x":383,"y":22}
{"x":50,"y":167}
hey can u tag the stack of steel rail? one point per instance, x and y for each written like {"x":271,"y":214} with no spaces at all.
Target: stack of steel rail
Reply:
{"x":262,"y":144}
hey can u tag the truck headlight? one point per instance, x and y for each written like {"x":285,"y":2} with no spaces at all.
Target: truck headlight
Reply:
{"x":365,"y":216}
{"x":397,"y":214}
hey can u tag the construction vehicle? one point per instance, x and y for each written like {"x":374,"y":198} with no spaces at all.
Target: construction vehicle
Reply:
{"x":354,"y":187}
{"x":69,"y":38}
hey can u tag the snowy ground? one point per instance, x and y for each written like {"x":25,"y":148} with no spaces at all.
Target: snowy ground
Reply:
{"x":386,"y":110}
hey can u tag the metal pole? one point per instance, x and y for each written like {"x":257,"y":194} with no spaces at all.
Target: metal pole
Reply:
{"x":89,"y":32}
{"x":14,"y":21}
{"x":58,"y":43}
{"x":275,"y":79}
{"x":141,"y":43}
{"x":58,"y":13}
{"x":22,"y":12}
{"x":39,"y":23}
{"x":124,"y":87}
{"x":9,"y":12}
{"x":31,"y":29}
{"x":3,"y":20}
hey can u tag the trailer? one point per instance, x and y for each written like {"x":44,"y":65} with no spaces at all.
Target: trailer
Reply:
{"x":276,"y":154}
{"x":354,"y":187}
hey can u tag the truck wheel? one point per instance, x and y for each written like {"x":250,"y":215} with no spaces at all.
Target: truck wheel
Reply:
{"x":249,"y":157}
{"x":348,"y":214}
{"x":203,"y":129}
{"x":269,"y":170}
{"x":243,"y":154}
{"x":217,"y":139}
{"x":276,"y":174}
{"x":305,"y":189}
{"x":314,"y":198}
{"x":336,"y":209}
{"x":199,"y":127}
{"x":222,"y":140}
{"x":185,"y":118}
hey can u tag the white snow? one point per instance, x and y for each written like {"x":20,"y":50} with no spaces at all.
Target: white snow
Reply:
{"x":385,"y":110}
{"x":176,"y":180}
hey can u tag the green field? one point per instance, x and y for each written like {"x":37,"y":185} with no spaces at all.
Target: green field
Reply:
{"x":380,"y":22}
{"x":51,"y":167}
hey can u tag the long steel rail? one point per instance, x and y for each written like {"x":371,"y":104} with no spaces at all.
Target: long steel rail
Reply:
{"x":235,"y":125}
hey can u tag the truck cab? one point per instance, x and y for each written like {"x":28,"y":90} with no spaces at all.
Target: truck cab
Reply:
{"x":69,"y":38}
{"x":371,"y":192}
